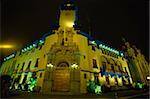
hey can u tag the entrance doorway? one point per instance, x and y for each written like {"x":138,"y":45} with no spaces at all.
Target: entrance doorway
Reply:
{"x":61,"y":77}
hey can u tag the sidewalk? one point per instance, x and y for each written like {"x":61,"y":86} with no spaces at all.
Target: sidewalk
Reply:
{"x":125,"y":94}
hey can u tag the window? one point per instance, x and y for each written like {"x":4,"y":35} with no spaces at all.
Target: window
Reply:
{"x":29,"y":65}
{"x":22,"y":66}
{"x":24,"y":79}
{"x":93,"y":48}
{"x":18,"y":79}
{"x":85,"y":76}
{"x":116,"y":80}
{"x":96,"y":79}
{"x":66,"y":39}
{"x":40,"y":75}
{"x":107,"y":80}
{"x":84,"y":56}
{"x":104,"y":66}
{"x":18,"y":65}
{"x":125,"y":70}
{"x":112,"y":68}
{"x":34,"y":74}
{"x":119,"y":68}
{"x":40,"y":47}
{"x":62,"y":43}
{"x":37,"y":62}
{"x":94,"y":64}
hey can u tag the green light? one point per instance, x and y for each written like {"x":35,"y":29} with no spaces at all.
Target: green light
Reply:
{"x":22,"y":50}
{"x":34,"y":45}
{"x":92,"y":87}
{"x":31,"y":47}
{"x":25,"y":49}
{"x":100,"y":45}
{"x":32,"y":83}
{"x":28,"y":48}
{"x":98,"y":89}
{"x":121,"y":54}
{"x":93,"y":42}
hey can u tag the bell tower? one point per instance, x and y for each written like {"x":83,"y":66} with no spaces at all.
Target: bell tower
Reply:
{"x":67,"y":15}
{"x":67,"y":20}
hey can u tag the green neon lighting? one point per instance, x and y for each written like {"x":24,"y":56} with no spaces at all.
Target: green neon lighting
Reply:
{"x":9,"y":57}
{"x":122,"y":54}
{"x":92,"y":87}
{"x":34,"y":45}
{"x":98,"y":89}
{"x":32,"y":83}
{"x":28,"y":48}
{"x":31,"y":47}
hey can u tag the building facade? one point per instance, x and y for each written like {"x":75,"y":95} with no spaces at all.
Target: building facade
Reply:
{"x":63,"y":60}
{"x":137,"y":63}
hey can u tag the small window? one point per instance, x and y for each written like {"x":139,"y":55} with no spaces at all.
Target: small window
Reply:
{"x":22,"y":66}
{"x":85,"y":76}
{"x":29,"y":65}
{"x":62,"y":43}
{"x":96,"y":79}
{"x":93,"y":48}
{"x":112,"y":68}
{"x":84,"y":56}
{"x":40,"y":47}
{"x":107,"y":80}
{"x":104,"y":66}
{"x":66,"y":39}
{"x":24,"y":79}
{"x":94,"y":63}
{"x":125,"y":69}
{"x":40,"y":75}
{"x":116,"y":80}
{"x":18,"y":65}
{"x":37,"y":62}
{"x":34,"y":74}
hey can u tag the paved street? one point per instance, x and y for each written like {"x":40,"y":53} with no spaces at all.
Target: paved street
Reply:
{"x":126,"y":94}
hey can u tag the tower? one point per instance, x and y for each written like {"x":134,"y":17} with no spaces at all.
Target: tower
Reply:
{"x":67,"y":15}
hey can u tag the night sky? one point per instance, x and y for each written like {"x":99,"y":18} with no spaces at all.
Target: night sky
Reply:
{"x":24,"y":21}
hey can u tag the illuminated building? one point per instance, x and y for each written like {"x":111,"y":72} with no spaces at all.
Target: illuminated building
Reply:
{"x":64,"y":59}
{"x":138,"y":65}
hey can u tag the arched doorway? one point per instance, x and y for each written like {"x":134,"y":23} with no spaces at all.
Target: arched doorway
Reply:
{"x":61,"y":76}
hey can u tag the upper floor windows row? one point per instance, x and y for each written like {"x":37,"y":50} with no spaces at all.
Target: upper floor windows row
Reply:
{"x":23,"y":67}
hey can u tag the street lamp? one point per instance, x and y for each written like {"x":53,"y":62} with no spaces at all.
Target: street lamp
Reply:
{"x":50,"y":65}
{"x":75,"y":66}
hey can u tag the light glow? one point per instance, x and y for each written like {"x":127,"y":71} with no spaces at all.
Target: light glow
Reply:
{"x":148,"y":77}
{"x":69,"y":24}
{"x":6,"y":46}
{"x":75,"y":66}
{"x":50,"y":65}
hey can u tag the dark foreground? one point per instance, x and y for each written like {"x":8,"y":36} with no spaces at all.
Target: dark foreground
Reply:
{"x":124,"y":94}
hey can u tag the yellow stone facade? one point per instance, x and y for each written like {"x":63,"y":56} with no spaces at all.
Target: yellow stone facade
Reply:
{"x":66,"y":58}
{"x":138,"y":65}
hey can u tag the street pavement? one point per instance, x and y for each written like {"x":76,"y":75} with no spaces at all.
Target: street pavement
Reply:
{"x":125,"y":94}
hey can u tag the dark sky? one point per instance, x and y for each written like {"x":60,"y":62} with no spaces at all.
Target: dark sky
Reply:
{"x":24,"y":21}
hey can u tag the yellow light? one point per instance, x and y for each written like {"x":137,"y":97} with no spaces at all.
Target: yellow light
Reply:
{"x":6,"y":46}
{"x":70,"y":24}
{"x":148,"y":78}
